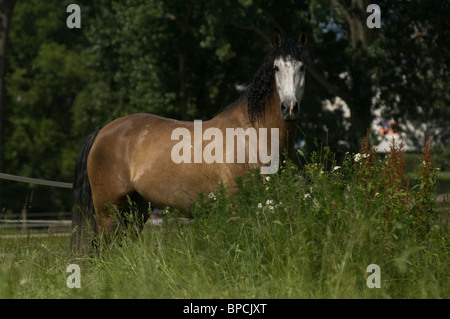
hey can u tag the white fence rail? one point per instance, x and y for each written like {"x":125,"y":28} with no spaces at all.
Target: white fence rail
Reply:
{"x":9,"y":227}
{"x":37,"y":181}
{"x":52,"y":226}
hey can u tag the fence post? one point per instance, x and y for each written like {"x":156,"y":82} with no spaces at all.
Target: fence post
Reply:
{"x":24,"y":218}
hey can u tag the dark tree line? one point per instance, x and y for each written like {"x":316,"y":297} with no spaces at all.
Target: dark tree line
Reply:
{"x":189,"y":59}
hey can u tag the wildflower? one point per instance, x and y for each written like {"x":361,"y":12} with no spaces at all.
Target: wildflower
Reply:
{"x":271,"y":207}
{"x":435,"y":227}
{"x":307,"y":195}
{"x":212,"y":196}
{"x":259,"y":205}
{"x":357,"y":157}
{"x":268,"y":178}
{"x":269,"y":202}
{"x":336,"y":168}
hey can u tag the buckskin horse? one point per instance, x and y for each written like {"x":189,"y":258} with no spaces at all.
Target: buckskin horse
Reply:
{"x":132,"y":157}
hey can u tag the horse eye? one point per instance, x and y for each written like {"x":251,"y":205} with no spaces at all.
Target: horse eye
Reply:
{"x":302,"y":68}
{"x":276,"y":69}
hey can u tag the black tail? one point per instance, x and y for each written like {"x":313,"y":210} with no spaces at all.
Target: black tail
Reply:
{"x":83,"y":221}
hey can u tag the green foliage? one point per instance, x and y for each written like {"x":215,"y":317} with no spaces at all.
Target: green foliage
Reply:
{"x":300,"y":233}
{"x":185,"y":59}
{"x":46,"y":71}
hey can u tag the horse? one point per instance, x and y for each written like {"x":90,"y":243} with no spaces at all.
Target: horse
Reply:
{"x":143,"y":158}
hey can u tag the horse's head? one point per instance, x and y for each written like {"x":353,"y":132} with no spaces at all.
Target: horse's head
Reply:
{"x":289,"y":72}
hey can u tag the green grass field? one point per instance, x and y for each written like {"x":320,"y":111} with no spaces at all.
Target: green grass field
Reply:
{"x":302,"y":233}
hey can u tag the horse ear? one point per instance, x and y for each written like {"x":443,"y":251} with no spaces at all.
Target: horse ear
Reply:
{"x":276,"y":39}
{"x":303,"y":39}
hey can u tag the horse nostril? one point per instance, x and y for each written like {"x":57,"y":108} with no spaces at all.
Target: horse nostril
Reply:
{"x":295,"y":108}
{"x":290,"y":108}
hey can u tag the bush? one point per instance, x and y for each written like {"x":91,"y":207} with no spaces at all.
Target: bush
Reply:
{"x":323,"y":224}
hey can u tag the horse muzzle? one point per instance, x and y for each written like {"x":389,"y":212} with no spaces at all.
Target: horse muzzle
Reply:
{"x":290,"y":110}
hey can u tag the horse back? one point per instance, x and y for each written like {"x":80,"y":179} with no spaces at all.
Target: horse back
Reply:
{"x":133,"y":154}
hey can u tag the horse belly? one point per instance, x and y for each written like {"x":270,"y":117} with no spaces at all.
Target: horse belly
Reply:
{"x":177,"y":185}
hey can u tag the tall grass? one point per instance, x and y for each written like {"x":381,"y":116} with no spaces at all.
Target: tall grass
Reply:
{"x":307,"y":232}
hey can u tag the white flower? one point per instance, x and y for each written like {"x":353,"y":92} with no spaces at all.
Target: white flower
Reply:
{"x":259,"y":205}
{"x":336,"y":168}
{"x":271,"y":207}
{"x":357,"y":157}
{"x":268,"y":178}
{"x":212,"y":196}
{"x":307,"y":195}
{"x":269,"y":202}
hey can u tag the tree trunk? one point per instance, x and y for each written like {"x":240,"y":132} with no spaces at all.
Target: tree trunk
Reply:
{"x":182,"y":63}
{"x":6,"y":10}
{"x":361,"y":37}
{"x":361,"y":95}
{"x":360,"y":104}
{"x":182,"y":91}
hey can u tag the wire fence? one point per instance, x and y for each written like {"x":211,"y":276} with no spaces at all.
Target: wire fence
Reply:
{"x":36,"y":181}
{"x":35,"y":224}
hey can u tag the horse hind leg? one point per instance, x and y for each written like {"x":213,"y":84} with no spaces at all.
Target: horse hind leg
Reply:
{"x":138,"y":211}
{"x":105,"y":226}
{"x":126,"y":214}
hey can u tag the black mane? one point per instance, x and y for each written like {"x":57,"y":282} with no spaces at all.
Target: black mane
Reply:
{"x":259,"y":91}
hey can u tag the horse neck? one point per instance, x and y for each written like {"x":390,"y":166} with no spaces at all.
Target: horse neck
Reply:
{"x":271,"y":118}
{"x":237,"y":116}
